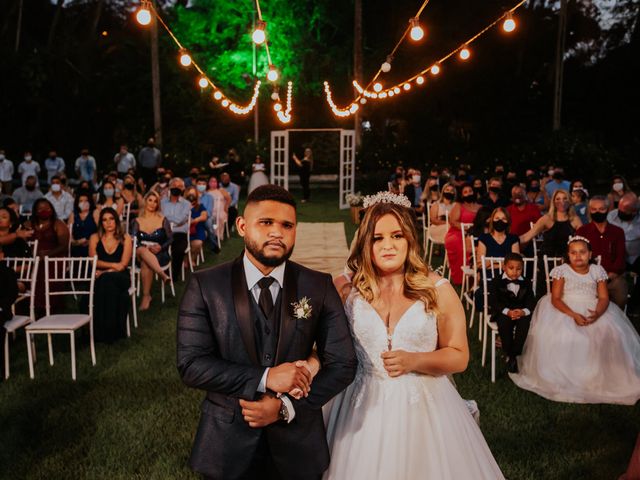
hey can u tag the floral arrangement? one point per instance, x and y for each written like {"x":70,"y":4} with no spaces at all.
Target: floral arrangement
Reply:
{"x":354,"y":199}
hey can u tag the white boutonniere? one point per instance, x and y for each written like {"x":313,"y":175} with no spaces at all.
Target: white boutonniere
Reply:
{"x":302,"y":308}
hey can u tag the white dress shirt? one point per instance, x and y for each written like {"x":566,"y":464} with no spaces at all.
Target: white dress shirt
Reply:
{"x":253,"y":275}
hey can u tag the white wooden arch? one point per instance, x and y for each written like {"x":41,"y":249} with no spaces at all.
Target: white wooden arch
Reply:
{"x":280,"y":159}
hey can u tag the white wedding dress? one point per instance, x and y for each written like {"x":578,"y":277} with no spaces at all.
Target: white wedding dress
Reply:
{"x":596,"y":363}
{"x":405,"y":428}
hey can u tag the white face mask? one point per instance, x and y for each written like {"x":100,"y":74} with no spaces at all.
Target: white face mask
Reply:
{"x":551,"y":172}
{"x":56,"y":187}
{"x":84,"y":206}
{"x":27,"y":158}
{"x":618,"y":186}
{"x":201,"y":188}
{"x":416,"y":179}
{"x":2,"y":157}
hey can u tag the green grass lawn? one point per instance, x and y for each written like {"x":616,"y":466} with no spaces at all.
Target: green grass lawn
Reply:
{"x":130,"y":416}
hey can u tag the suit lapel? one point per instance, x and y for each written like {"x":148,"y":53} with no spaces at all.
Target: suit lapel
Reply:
{"x":242,"y":306}
{"x":287,"y":321}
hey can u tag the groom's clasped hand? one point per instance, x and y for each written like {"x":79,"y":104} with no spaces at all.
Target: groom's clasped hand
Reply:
{"x":294,"y":378}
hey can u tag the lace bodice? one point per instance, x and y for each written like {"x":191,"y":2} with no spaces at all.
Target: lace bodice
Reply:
{"x":416,"y":331}
{"x":577,"y":284}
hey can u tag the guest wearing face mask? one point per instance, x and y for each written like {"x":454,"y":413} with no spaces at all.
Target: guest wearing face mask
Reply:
{"x":6,"y":174}
{"x":479,"y":188}
{"x":86,"y":168}
{"x":607,"y":242}
{"x":130,"y":195}
{"x":107,"y":198}
{"x":53,"y":241}
{"x":619,"y":188}
{"x":61,"y":200}
{"x":522,"y":214}
{"x":27,"y":194}
{"x":124,"y":161}
{"x":221,"y":203}
{"x":536,"y":196}
{"x":431,"y":192}
{"x":54,"y":165}
{"x":162,"y":185}
{"x":234,"y":192}
{"x":83,"y":224}
{"x":150,"y":160}
{"x":28,"y":167}
{"x":498,"y":241}
{"x":440,"y":211}
{"x":207,"y":203}
{"x":177,"y":211}
{"x":557,"y":182}
{"x":463,"y":211}
{"x":413,"y":191}
{"x":494,"y":198}
{"x":199,"y":216}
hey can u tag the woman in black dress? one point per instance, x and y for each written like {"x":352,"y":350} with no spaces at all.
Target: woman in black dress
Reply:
{"x":111,"y":297}
{"x":305,"y":165}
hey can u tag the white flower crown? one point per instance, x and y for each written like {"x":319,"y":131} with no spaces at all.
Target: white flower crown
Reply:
{"x":578,"y":238}
{"x":386,"y":197}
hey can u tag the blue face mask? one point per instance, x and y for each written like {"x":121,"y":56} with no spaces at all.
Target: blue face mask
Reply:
{"x":108,"y":192}
{"x":201,"y":188}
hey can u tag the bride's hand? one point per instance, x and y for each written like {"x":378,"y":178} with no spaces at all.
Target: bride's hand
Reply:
{"x":397,"y":362}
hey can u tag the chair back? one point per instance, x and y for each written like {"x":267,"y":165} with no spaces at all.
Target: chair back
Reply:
{"x":534,"y":241}
{"x":466,"y":227}
{"x":125,"y":217}
{"x":33,"y":245}
{"x":132,"y":266}
{"x":494,"y":267}
{"x":446,"y":219}
{"x":23,"y":213}
{"x":64,"y":271}
{"x":549,"y":264}
{"x":26,"y":269}
{"x":531,"y":266}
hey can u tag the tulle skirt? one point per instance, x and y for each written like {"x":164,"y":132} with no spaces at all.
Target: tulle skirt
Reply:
{"x":257,"y":180}
{"x":597,"y":363}
{"x":411,"y":427}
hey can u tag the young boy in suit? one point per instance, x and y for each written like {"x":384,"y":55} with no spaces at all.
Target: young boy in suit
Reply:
{"x":511,"y":302}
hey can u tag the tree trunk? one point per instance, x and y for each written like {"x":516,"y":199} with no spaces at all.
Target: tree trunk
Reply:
{"x":559,"y":71}
{"x":357,"y":65}
{"x":96,"y":14}
{"x":54,"y":24}
{"x":155,"y":81}
{"x":19,"y":24}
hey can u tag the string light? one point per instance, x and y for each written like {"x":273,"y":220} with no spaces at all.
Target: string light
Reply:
{"x":396,"y":90}
{"x":203,"y":82}
{"x":417,"y":33}
{"x":407,"y":86}
{"x":285,"y":116}
{"x":272,"y":75}
{"x":217,"y":95}
{"x":419,"y":80}
{"x":225,"y":103}
{"x":185,"y":58}
{"x":509,"y":24}
{"x":465,"y":53}
{"x":277,"y":107}
{"x":377,"y":87}
{"x":435,"y":70}
{"x":386,"y":66}
{"x":259,"y":35}
{"x":143,"y":15}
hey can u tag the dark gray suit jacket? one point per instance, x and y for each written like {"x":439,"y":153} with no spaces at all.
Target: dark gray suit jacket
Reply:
{"x":217,"y":353}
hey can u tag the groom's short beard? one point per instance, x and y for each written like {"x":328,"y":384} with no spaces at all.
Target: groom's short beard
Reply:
{"x":259,"y":255}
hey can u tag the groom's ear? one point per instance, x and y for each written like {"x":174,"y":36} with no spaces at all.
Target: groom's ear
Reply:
{"x":241,"y":225}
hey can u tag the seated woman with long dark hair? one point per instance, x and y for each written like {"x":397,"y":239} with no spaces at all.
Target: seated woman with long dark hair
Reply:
{"x":83,"y":224}
{"x":113,"y":248}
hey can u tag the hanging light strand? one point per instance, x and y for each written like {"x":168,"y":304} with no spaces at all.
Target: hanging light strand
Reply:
{"x":218,"y":94}
{"x":379,"y":92}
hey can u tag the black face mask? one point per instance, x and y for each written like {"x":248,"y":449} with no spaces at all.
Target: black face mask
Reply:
{"x":495,"y":190}
{"x":129,"y":186}
{"x":176,"y":192}
{"x":191,"y":198}
{"x":31,"y":188}
{"x":599,"y":217}
{"x":500,"y":225}
{"x":449,"y":196}
{"x":625,"y":217}
{"x":557,"y":176}
{"x":534,"y":189}
{"x":469,"y":198}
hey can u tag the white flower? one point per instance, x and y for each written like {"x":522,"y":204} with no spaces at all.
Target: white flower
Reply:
{"x":302,"y":308}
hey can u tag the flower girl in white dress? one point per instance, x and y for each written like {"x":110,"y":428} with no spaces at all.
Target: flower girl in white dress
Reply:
{"x":402,"y":418}
{"x":581,"y":348}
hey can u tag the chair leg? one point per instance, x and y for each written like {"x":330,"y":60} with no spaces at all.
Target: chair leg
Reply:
{"x":72,"y":340}
{"x":473,"y":311}
{"x":481,"y":327}
{"x":135,"y":311}
{"x":50,"y":344}
{"x":128,"y":326}
{"x":493,"y":356}
{"x":92,"y":344}
{"x":30,"y":354}
{"x":484,"y":342}
{"x":6,"y":357}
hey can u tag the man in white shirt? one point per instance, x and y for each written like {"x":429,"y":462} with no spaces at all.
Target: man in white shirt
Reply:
{"x":28,"y":167}
{"x":27,"y":194}
{"x":6,"y":173}
{"x":62,"y":201}
{"x":124,"y":160}
{"x":54,"y":165}
{"x":86,"y":167}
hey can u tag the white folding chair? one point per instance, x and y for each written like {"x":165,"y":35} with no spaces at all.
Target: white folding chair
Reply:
{"x":60,"y":271}
{"x":549,"y":264}
{"x":535,"y":241}
{"x":26,"y":269}
{"x":33,"y":245}
{"x":469,"y":271}
{"x":431,"y":242}
{"x":531,"y":265}
{"x":126,"y":216}
{"x":133,"y":289}
{"x":187,"y":251}
{"x":24,"y":213}
{"x":494,"y":265}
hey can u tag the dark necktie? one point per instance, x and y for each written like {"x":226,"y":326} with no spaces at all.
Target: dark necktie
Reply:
{"x":265,"y":300}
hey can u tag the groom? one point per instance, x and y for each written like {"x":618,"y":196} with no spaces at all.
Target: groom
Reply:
{"x":243,"y":327}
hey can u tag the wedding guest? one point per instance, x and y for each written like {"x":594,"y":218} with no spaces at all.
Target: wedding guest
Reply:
{"x":522,"y":212}
{"x":221,"y":203}
{"x":124,"y":160}
{"x":111,"y":298}
{"x":305,"y":165}
{"x":130,"y":195}
{"x":13,"y":238}
{"x":198,"y":232}
{"x":107,"y":198}
{"x":619,"y":188}
{"x":511,"y":302}
{"x":61,"y":200}
{"x":235,"y":168}
{"x":413,"y":191}
{"x":6,"y":174}
{"x":464,"y":211}
{"x":536,"y":195}
{"x":579,"y":198}
{"x":153,"y":233}
{"x":479,"y":188}
{"x":258,"y":174}
{"x":234,"y":192}
{"x":83,"y":223}
{"x":439,"y":212}
{"x":191,"y":180}
{"x":431,"y":193}
{"x":54,"y":165}
{"x":150,"y":160}
{"x":8,"y":295}
{"x":29,"y":167}
{"x":27,"y":195}
{"x":556,"y":226}
{"x":177,"y":211}
{"x":497,"y":242}
{"x":494,"y":198}
{"x":557,"y":182}
{"x":86,"y":168}
{"x":207,"y":202}
{"x":581,"y":348}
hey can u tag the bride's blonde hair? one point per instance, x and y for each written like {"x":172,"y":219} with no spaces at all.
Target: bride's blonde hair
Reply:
{"x":417,"y":285}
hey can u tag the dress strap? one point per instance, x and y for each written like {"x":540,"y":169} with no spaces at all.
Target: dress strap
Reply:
{"x":442,"y":281}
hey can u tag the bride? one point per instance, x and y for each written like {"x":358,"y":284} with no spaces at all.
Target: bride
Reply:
{"x":402,"y":418}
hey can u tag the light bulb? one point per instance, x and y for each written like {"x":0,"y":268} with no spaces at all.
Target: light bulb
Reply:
{"x":277,"y":107}
{"x":225,"y":103}
{"x":385,"y":67}
{"x":417,"y":33}
{"x":143,"y":16}
{"x":272,"y":75}
{"x":420,"y":80}
{"x":396,"y":90}
{"x":275,"y":96}
{"x":217,"y":95}
{"x":354,"y":108}
{"x":435,"y":70}
{"x":382,"y":95}
{"x":259,"y":36}
{"x":509,"y":24}
{"x":407,"y":86}
{"x":391,"y":93}
{"x":377,"y":87}
{"x":185,"y":59}
{"x":203,"y":82}
{"x":363,"y":101}
{"x":465,"y":53}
